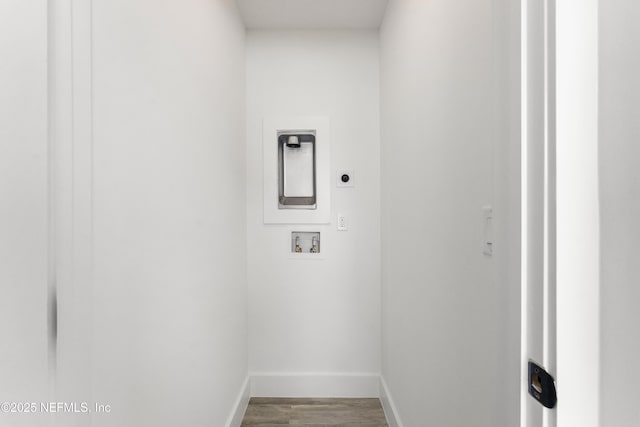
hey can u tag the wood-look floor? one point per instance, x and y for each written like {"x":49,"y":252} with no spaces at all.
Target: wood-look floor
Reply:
{"x":280,"y":412}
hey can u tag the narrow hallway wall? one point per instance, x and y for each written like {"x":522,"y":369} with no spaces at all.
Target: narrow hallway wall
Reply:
{"x":450,"y":322}
{"x":619,"y":144}
{"x":169,"y":339}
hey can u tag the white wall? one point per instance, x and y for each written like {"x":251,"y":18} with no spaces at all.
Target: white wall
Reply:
{"x":169,"y":336}
{"x":23,"y":206}
{"x":316,"y":317}
{"x":450,"y":323}
{"x":619,"y":151}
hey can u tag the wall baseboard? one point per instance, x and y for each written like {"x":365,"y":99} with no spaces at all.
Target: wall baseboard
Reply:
{"x":315,"y":385}
{"x":389,"y":407}
{"x":240,"y":405}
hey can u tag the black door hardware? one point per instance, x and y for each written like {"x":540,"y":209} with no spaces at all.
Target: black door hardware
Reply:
{"x":542,"y":386}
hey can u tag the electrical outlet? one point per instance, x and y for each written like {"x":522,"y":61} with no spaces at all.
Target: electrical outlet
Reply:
{"x":344,"y":178}
{"x":342,"y":223}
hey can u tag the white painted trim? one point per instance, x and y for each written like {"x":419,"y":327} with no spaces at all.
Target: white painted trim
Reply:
{"x":70,"y":46}
{"x":282,"y":384}
{"x":388,"y":405}
{"x":578,"y":209}
{"x":524,"y":208}
{"x":240,"y":405}
{"x":538,"y":325}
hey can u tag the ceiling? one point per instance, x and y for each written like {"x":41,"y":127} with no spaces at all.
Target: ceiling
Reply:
{"x":312,"y":14}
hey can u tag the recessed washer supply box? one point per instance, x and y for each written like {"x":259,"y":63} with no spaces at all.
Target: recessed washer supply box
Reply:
{"x":305,"y":242}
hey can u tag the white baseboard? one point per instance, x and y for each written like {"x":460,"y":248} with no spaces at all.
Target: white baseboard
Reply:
{"x":389,"y":407}
{"x":240,"y":405}
{"x":314,"y":385}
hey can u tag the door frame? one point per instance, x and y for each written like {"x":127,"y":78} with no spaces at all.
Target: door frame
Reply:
{"x":560,"y":313}
{"x":578,"y":237}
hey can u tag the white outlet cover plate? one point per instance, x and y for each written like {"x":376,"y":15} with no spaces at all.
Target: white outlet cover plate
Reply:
{"x":342,"y":223}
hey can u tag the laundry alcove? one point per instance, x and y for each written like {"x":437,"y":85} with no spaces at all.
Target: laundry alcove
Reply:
{"x":164,"y":250}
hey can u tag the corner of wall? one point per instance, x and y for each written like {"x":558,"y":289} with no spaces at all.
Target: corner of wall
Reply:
{"x":240,"y":405}
{"x":388,"y":405}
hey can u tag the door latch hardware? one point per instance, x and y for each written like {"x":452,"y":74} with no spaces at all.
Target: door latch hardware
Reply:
{"x":542,"y":386}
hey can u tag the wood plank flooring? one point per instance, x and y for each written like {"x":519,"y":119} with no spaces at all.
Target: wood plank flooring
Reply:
{"x":280,"y":412}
